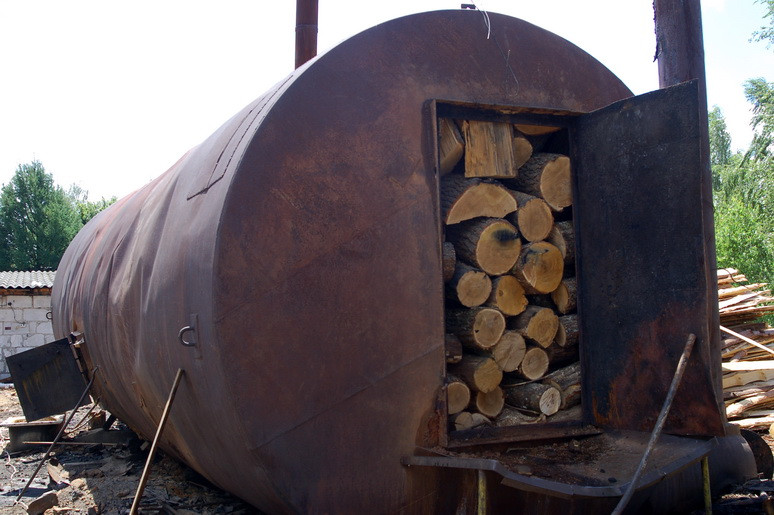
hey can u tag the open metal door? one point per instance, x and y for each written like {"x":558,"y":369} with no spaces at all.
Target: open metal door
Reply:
{"x":641,"y":263}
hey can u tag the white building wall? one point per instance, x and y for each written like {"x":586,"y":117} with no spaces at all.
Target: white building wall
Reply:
{"x":24,"y":324}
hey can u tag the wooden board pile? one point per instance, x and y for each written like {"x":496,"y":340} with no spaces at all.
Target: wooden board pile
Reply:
{"x":512,"y":331}
{"x":747,"y":350}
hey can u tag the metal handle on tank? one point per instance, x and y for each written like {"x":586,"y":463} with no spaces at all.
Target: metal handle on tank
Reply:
{"x":182,"y":339}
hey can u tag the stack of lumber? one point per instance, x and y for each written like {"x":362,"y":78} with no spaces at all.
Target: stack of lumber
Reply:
{"x":747,"y":350}
{"x":508,"y":260}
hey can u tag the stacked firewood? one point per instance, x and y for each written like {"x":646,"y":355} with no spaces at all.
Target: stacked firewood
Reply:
{"x":747,"y":350}
{"x":512,"y":331}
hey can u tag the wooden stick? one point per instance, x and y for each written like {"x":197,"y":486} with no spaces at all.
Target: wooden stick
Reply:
{"x":746,"y":339}
{"x":152,"y":453}
{"x":681,"y":365}
{"x":107,"y":444}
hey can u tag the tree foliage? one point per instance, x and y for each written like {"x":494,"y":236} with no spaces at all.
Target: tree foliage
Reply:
{"x":766,"y":32}
{"x":37,"y":220}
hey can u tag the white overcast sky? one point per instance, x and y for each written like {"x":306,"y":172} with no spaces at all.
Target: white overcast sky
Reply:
{"x":108,"y":95}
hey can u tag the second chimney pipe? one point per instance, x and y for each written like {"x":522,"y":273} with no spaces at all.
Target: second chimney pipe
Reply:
{"x":306,"y":30}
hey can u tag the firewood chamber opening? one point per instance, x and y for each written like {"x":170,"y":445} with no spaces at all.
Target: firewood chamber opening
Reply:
{"x":511,"y":335}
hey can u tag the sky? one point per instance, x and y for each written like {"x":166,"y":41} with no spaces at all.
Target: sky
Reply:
{"x":107,"y":95}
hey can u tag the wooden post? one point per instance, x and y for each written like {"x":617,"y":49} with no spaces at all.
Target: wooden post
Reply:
{"x":152,"y":452}
{"x":680,"y":53}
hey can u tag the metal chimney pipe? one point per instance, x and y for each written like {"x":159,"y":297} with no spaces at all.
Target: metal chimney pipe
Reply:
{"x":306,"y":30}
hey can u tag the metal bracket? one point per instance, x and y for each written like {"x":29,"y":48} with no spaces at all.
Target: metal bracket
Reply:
{"x":188,"y":335}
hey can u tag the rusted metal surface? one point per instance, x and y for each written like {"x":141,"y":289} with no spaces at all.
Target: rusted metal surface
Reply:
{"x":641,"y":262}
{"x":680,"y":53}
{"x":303,"y":240}
{"x":47,"y":379}
{"x":306,"y":30}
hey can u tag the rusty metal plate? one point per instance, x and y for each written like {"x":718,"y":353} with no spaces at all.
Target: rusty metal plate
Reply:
{"x":47,"y":379}
{"x":641,"y":262}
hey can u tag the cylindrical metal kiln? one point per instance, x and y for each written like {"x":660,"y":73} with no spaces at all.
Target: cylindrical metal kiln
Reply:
{"x":302,"y":244}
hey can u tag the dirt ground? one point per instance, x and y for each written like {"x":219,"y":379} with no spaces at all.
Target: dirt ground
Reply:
{"x":103,"y":478}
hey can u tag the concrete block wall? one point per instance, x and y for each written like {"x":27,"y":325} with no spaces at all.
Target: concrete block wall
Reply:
{"x":24,"y":324}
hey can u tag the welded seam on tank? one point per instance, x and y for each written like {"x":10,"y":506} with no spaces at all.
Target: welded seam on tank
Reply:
{"x":346,"y":398}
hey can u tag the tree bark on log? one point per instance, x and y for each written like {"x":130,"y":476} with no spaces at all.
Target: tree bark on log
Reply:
{"x":569,"y":324}
{"x":464,"y":199}
{"x":448,"y":260}
{"x":489,"y":403}
{"x":537,"y":397}
{"x":509,"y":351}
{"x":568,"y":381}
{"x":450,"y":145}
{"x":522,"y":149}
{"x":547,"y":176}
{"x":491,"y":244}
{"x":539,"y":267}
{"x":535,"y":130}
{"x":536,"y":324}
{"x":457,"y":395}
{"x":477,"y":328}
{"x":571,"y":414}
{"x":469,"y":286}
{"x":533,"y":218}
{"x":507,"y":295}
{"x":565,"y":296}
{"x":453,"y":348}
{"x":562,"y":236}
{"x":513,"y":417}
{"x":559,"y":356}
{"x":489,"y":149}
{"x":479,"y":373}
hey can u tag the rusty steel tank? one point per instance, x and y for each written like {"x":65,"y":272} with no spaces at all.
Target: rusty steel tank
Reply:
{"x":298,"y":251}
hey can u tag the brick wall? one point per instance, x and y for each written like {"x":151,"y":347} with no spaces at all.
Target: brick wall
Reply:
{"x":24,"y":324}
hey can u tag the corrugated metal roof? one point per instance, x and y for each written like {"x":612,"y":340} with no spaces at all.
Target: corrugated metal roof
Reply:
{"x":27,"y":279}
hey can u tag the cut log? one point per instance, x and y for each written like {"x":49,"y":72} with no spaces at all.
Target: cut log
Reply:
{"x":534,"y":365}
{"x":546,"y":176}
{"x":507,"y":295}
{"x":568,"y":381}
{"x":535,"y":130}
{"x":469,"y":286}
{"x":477,"y":328}
{"x":457,"y":395}
{"x":569,"y":325}
{"x":560,"y":340}
{"x":449,"y":261}
{"x":479,"y":373}
{"x":537,"y":397}
{"x":464,"y":199}
{"x":522,"y":149}
{"x":540,"y":267}
{"x":453,"y":348}
{"x":533,"y":218}
{"x":565,"y":295}
{"x":489,"y":403}
{"x":513,"y":417}
{"x":509,"y":351}
{"x":491,"y":244}
{"x":537,"y":324}
{"x":468,"y":420}
{"x":559,"y":356}
{"x":450,"y":145}
{"x":489,"y":149}
{"x":562,"y":236}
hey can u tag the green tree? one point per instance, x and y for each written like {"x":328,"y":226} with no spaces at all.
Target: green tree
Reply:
{"x":86,"y":208}
{"x":720,"y":141}
{"x":37,"y":220}
{"x":766,"y":33}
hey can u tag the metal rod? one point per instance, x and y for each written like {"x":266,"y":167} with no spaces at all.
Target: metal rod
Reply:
{"x":706,"y":483}
{"x":659,"y":424}
{"x":58,"y":436}
{"x":306,"y":30}
{"x":152,"y":453}
{"x":481,"y":500}
{"x":106,"y":444}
